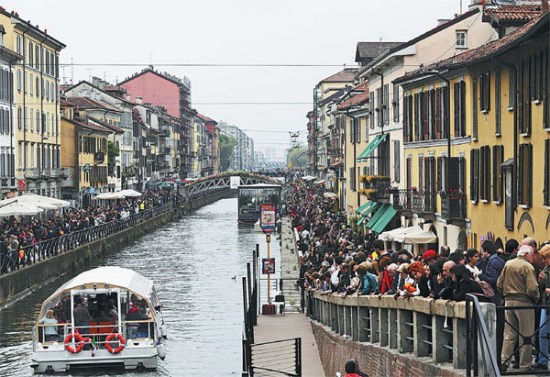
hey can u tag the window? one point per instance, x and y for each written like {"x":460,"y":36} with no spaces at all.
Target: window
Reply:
{"x":498,"y":159}
{"x":431,"y":114}
{"x":485,"y":173}
{"x":525,"y":174}
{"x":421,"y":173}
{"x":37,"y":121}
{"x":379,"y":107}
{"x":474,"y":175}
{"x":19,"y":45}
{"x":397,"y":161}
{"x":19,"y":117}
{"x":461,"y":39}
{"x":523,"y":113}
{"x":460,"y":109}
{"x":547,"y":172}
{"x":386,"y":104}
{"x":371,"y":110}
{"x":352,"y":179}
{"x":474,"y":108}
{"x":395,"y":103}
{"x":498,"y":104}
{"x":407,"y":118}
{"x":408,"y":172}
{"x":485,"y":91}
{"x":19,"y":79}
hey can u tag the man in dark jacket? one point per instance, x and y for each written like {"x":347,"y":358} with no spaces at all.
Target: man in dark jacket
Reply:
{"x":492,"y":264}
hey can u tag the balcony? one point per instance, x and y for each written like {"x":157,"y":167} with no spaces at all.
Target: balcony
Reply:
{"x":46,"y":173}
{"x":453,"y":205}
{"x":415,"y":201}
{"x":375,"y":187}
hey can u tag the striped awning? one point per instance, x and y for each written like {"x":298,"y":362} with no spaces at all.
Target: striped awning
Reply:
{"x":371,"y":147}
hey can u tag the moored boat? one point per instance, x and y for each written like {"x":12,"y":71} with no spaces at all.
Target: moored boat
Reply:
{"x":105,"y":317}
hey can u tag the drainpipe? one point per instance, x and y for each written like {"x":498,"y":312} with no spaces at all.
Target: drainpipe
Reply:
{"x":42,"y":62}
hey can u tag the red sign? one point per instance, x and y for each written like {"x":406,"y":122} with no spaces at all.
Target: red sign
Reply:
{"x":268,"y":219}
{"x":21,"y":185}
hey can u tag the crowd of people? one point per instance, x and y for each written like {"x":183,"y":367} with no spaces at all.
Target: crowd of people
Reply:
{"x":18,"y":237}
{"x":338,"y":260}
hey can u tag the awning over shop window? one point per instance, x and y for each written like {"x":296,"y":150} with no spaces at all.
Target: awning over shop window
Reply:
{"x":381,"y":218}
{"x":371,"y":147}
{"x":365,"y":210}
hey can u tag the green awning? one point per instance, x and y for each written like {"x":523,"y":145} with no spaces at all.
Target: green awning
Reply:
{"x":361,"y":220}
{"x":365,"y":207}
{"x":381,"y":218}
{"x":371,"y":147}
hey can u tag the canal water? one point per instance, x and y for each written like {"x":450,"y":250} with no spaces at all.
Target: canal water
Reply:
{"x":196,"y":264}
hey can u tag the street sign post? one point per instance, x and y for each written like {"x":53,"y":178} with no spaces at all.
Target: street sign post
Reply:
{"x":268,"y":223}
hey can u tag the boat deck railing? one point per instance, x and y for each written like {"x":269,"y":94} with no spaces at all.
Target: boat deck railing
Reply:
{"x":96,"y":332}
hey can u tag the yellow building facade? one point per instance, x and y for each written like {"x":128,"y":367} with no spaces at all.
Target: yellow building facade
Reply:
{"x":494,"y":102}
{"x":36,"y":106}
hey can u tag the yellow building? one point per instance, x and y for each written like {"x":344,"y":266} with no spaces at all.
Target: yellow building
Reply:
{"x":496,"y":184}
{"x":36,"y":105}
{"x":84,"y":155}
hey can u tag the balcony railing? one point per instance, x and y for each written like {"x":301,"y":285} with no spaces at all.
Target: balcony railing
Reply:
{"x":413,"y":200}
{"x":375,"y":187}
{"x":36,"y":173}
{"x":453,"y":205}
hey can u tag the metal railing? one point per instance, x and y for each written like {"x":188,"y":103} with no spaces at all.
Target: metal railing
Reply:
{"x":29,"y":254}
{"x":413,"y":200}
{"x":478,"y":342}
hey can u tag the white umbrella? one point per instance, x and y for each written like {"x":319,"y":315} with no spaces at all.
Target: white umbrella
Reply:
{"x":130,"y":193}
{"x":19,"y":209}
{"x":110,"y":195}
{"x":5,"y":202}
{"x":415,"y":235}
{"x":45,"y":202}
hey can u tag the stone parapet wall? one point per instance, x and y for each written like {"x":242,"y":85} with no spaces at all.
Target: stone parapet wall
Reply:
{"x":426,"y":337}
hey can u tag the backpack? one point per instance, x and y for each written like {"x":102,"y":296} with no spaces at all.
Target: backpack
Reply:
{"x":488,"y":290}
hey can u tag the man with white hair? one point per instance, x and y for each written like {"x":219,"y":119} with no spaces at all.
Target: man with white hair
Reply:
{"x":519,"y":287}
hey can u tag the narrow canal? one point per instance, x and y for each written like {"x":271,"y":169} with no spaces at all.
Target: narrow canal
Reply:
{"x":196,"y":264}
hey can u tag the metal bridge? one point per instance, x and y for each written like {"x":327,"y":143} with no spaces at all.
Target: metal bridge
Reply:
{"x":216,"y":183}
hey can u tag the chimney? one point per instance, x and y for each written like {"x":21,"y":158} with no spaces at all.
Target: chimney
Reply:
{"x":442,"y":21}
{"x":139,"y":100}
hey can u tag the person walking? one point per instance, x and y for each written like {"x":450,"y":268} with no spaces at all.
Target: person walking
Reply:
{"x":519,"y":287}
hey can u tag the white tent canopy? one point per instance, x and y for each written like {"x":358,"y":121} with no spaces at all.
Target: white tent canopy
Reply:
{"x":309,"y":178}
{"x":110,"y":195}
{"x":413,"y":235}
{"x":44,"y":202}
{"x":19,"y":209}
{"x":130,"y":193}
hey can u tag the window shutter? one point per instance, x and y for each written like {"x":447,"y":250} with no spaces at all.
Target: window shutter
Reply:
{"x":456,"y":109}
{"x":547,"y":172}
{"x":420,"y":173}
{"x":439,"y":172}
{"x":521,"y":174}
{"x":529,"y":150}
{"x":498,"y":102}
{"x":474,"y":104}
{"x":397,"y":160}
{"x":462,"y":108}
{"x":488,"y":91}
{"x":406,"y":118}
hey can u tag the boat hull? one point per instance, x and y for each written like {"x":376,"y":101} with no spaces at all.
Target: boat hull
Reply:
{"x":57,"y":359}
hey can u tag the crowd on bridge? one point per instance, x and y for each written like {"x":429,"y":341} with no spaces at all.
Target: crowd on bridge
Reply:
{"x":335,"y":259}
{"x":19,"y":238}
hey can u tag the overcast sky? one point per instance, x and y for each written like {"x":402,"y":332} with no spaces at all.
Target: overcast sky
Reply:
{"x":136,"y":33}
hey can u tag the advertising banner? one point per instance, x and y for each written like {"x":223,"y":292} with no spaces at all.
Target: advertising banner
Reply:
{"x":234,"y":182}
{"x":268,"y":266}
{"x":268,"y":218}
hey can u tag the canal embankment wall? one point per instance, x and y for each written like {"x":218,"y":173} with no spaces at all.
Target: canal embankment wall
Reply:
{"x":414,"y":337}
{"x":18,"y":283}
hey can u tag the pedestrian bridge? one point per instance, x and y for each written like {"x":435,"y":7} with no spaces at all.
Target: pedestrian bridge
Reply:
{"x":215,"y":184}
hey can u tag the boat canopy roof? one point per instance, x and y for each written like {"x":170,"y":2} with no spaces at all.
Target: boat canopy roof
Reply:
{"x":114,"y":277}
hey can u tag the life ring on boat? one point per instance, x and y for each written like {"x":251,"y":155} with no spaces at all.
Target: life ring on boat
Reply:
{"x":77,"y":338}
{"x":120,"y":339}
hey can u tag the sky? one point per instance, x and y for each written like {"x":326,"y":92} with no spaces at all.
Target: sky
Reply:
{"x":116,"y":38}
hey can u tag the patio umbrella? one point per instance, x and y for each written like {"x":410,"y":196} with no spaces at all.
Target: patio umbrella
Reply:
{"x":5,"y":202}
{"x":130,"y":193}
{"x":19,"y":209}
{"x":45,"y":202}
{"x":110,"y":195}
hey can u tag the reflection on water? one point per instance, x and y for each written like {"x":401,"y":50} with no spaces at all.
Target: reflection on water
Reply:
{"x":192,"y":262}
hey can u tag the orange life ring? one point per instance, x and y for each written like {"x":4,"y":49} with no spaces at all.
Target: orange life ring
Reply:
{"x":121,"y":343}
{"x":77,"y":338}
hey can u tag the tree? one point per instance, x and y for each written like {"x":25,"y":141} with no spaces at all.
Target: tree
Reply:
{"x":227,"y":146}
{"x":113,"y":151}
{"x":297,"y":157}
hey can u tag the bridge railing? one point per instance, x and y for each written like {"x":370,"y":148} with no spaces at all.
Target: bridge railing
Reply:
{"x":424,"y":327}
{"x":16,"y":259}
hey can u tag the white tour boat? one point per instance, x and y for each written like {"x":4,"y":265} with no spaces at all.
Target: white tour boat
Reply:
{"x":105,"y":317}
